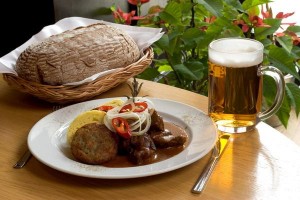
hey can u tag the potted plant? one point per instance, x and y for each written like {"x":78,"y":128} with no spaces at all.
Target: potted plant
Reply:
{"x":190,"y":25}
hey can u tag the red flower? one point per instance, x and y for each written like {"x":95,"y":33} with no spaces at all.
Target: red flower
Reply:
{"x":122,"y":17}
{"x":135,"y":2}
{"x":280,"y":15}
{"x":257,"y":21}
{"x":125,"y":18}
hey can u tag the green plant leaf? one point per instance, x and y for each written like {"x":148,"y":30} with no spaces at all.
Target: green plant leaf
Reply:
{"x":168,"y":42}
{"x":197,"y":68}
{"x":296,"y":52}
{"x":269,"y":92}
{"x":234,"y":4}
{"x":164,"y":68}
{"x":282,"y":60}
{"x":160,"y":61}
{"x":191,"y":33}
{"x":173,"y":48}
{"x":293,"y":92}
{"x":215,"y":30}
{"x":232,"y":32}
{"x":230,"y":12}
{"x":186,"y":8}
{"x":284,"y":112}
{"x":190,"y":38}
{"x":214,"y":7}
{"x":295,"y":29}
{"x":172,"y":13}
{"x":163,"y":43}
{"x":149,"y":74}
{"x":286,"y":42}
{"x":247,"y":4}
{"x":253,"y":11}
{"x":266,"y":42}
{"x":185,"y":72}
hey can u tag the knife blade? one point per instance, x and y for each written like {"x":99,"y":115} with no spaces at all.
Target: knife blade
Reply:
{"x":216,"y":154}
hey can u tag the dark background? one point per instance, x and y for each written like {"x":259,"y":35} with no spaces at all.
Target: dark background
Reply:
{"x":22,"y":19}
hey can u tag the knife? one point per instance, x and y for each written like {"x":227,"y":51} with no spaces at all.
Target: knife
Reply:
{"x":216,"y":154}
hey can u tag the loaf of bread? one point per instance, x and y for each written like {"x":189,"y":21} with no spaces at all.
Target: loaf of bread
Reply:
{"x":76,"y":54}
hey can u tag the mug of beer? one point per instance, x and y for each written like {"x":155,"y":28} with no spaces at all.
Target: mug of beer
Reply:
{"x":236,"y":82}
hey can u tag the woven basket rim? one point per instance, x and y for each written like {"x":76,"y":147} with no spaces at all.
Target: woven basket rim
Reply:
{"x":75,"y":93}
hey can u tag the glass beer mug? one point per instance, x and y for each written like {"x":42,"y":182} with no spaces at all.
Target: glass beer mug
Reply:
{"x":236,"y":82}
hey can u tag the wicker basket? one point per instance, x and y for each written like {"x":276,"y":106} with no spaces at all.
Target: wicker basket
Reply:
{"x":70,"y":94}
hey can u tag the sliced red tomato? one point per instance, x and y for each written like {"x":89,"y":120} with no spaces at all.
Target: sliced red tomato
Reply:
{"x":121,"y":126}
{"x":138,"y":107}
{"x":105,"y":108}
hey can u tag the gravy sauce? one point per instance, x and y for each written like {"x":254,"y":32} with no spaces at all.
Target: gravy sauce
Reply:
{"x":161,"y":154}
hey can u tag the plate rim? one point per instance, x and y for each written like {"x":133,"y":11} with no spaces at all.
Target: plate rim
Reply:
{"x":124,"y":176}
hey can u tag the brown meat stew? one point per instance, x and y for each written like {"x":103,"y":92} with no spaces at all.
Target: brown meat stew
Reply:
{"x":161,"y":153}
{"x":161,"y":141}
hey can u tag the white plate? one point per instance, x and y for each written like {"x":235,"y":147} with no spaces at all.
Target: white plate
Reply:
{"x":47,"y":141}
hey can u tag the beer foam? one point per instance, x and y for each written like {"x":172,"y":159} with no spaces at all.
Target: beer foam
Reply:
{"x":236,"y":52}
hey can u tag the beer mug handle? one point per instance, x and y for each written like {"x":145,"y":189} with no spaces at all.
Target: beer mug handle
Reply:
{"x":280,"y":84}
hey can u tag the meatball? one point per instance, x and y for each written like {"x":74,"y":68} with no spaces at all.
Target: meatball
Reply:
{"x":94,"y":144}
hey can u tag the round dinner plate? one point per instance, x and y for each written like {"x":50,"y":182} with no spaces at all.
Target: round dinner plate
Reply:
{"x":47,"y":140}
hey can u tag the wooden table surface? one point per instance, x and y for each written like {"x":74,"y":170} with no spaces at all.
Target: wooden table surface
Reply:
{"x":261,"y":164}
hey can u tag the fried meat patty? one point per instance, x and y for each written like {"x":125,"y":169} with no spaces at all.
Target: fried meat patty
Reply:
{"x":94,"y":144}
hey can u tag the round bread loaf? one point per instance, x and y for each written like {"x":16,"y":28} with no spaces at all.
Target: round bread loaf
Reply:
{"x":76,"y":54}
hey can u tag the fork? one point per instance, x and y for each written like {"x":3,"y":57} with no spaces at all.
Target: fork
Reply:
{"x":23,"y":160}
{"x":27,"y":155}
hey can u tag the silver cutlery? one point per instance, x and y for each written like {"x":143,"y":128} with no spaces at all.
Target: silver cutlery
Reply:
{"x":216,"y":154}
{"x":23,"y":160}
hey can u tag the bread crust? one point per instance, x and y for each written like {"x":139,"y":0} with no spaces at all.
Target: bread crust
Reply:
{"x":76,"y":54}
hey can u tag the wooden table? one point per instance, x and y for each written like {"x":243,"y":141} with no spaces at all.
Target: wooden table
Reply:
{"x":262,"y":164}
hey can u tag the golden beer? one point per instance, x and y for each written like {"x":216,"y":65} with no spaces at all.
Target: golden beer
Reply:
{"x":235,"y":95}
{"x":235,"y":83}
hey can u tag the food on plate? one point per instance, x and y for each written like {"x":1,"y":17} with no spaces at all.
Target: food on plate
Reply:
{"x":142,"y":135}
{"x":141,"y":149}
{"x":94,"y":144}
{"x":165,"y":138}
{"x":76,"y":54}
{"x":82,"y":119}
{"x":157,"y":122}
